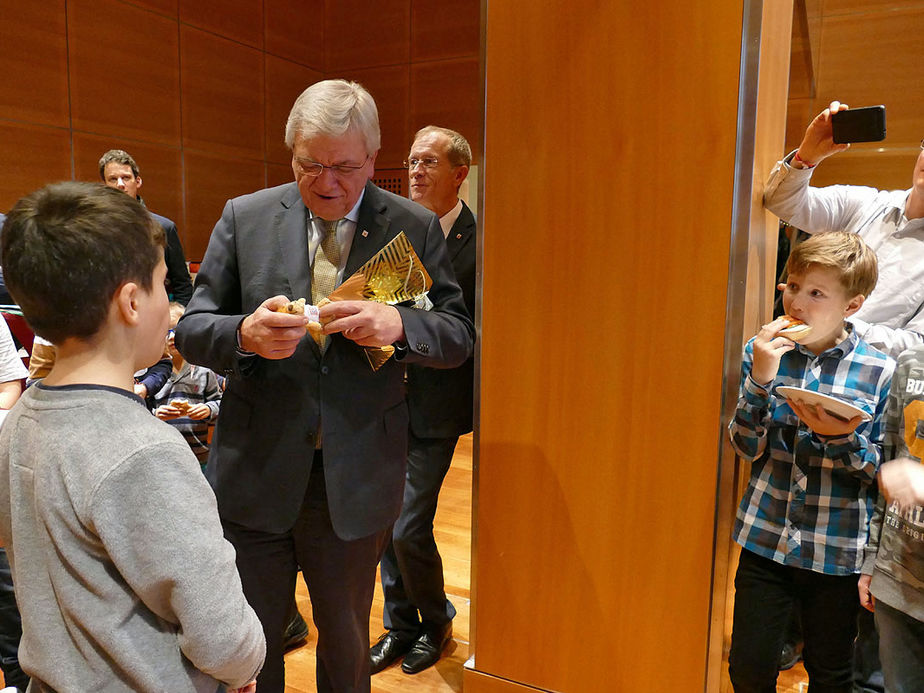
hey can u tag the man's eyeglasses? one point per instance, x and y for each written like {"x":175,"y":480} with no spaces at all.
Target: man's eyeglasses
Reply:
{"x":427,"y":163}
{"x":313,"y":168}
{"x":922,"y":144}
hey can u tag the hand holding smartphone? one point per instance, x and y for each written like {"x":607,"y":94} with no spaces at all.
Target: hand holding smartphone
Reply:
{"x":866,"y":124}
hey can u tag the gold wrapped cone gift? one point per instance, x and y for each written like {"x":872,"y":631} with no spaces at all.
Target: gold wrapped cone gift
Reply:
{"x":393,"y":275}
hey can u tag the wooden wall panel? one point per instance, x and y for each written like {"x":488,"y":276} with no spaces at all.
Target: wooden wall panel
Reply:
{"x":32,"y":156}
{"x":295,"y":31}
{"x":238,"y":20}
{"x":222,"y":108}
{"x":865,"y":54}
{"x":599,"y":419}
{"x":161,"y":171}
{"x":165,"y":7}
{"x":210,"y":181}
{"x":277,"y":174}
{"x":445,"y":93}
{"x":865,"y":61}
{"x":359,"y":35}
{"x":33,"y":62}
{"x":116,"y":64}
{"x":390,"y":88}
{"x":285,"y":80}
{"x":446,"y":29}
{"x":124,"y":73}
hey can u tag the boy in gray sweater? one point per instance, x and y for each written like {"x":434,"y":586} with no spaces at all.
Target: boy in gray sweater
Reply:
{"x":892,"y":584}
{"x":122,"y":574}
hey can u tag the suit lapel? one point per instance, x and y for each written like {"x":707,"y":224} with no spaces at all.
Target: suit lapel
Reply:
{"x":461,"y":233}
{"x":371,"y":230}
{"x":290,"y":226}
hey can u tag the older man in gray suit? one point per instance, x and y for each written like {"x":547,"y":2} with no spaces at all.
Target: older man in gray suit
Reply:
{"x":308,"y":460}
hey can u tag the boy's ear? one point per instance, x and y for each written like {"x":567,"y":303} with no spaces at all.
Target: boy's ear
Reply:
{"x":126,"y":303}
{"x":854,"y":305}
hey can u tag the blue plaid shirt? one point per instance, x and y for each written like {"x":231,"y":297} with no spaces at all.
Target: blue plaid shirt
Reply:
{"x":810,"y":497}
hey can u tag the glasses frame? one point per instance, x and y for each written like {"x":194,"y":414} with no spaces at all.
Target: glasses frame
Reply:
{"x":338,"y":170}
{"x":427,"y":163}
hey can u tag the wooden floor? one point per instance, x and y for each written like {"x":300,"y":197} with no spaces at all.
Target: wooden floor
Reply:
{"x":453,"y":530}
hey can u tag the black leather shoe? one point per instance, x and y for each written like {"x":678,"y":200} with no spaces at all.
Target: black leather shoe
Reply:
{"x":390,"y":647}
{"x":790,"y":656}
{"x":427,"y":649}
{"x":296,"y":633}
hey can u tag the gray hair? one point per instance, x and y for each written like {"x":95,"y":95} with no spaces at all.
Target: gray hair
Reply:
{"x":460,"y":153}
{"x":117,"y":156}
{"x":334,"y":107}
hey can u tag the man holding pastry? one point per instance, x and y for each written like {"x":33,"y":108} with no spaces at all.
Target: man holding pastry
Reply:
{"x":308,"y":458}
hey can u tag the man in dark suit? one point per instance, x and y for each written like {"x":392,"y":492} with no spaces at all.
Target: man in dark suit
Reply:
{"x":417,"y":613}
{"x":309,"y":454}
{"x":118,"y":170}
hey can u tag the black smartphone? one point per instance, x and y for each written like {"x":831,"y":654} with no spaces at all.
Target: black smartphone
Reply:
{"x":866,"y":124}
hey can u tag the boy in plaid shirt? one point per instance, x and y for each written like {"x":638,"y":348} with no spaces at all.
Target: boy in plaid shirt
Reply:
{"x":804,"y":517}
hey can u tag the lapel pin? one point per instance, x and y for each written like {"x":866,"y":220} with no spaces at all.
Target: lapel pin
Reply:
{"x":458,"y":235}
{"x":365,"y":233}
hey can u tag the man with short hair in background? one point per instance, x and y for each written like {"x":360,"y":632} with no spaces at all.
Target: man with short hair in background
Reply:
{"x":118,"y":170}
{"x":417,"y":613}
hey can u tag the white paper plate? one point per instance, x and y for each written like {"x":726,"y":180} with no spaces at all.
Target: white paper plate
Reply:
{"x":832,"y":405}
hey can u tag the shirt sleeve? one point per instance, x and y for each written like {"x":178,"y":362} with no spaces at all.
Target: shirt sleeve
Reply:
{"x":892,"y":341}
{"x":789,"y":196}
{"x":748,"y":427}
{"x":11,"y":367}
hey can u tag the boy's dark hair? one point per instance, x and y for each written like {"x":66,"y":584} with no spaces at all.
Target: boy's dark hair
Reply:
{"x":67,"y":248}
{"x":844,"y":252}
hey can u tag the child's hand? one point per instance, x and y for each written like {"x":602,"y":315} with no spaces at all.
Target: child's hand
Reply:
{"x":819,"y":420}
{"x":249,"y":688}
{"x":867,"y":600}
{"x":902,"y":482}
{"x":199,"y":411}
{"x":165,"y":412}
{"x":768,"y":350}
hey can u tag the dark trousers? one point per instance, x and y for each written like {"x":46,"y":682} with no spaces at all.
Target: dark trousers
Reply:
{"x":340,"y":576}
{"x":10,"y":628}
{"x":412,"y":570}
{"x":765,"y":594}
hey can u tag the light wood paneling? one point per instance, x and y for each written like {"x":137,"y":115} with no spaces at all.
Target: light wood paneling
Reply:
{"x":33,"y":62}
{"x":238,"y":20}
{"x":835,"y":7}
{"x":889,"y":170}
{"x":389,"y":87}
{"x":161,"y":171}
{"x":285,"y":80}
{"x":32,"y":156}
{"x":124,"y":73}
{"x":358,"y":35}
{"x":599,"y":421}
{"x":446,"y":29}
{"x":445,"y":93}
{"x":295,"y":31}
{"x":222,"y":94}
{"x":871,"y":59}
{"x":210,"y":181}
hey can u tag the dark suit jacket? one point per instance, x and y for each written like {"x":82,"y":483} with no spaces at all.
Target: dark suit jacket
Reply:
{"x":440,"y":401}
{"x":178,"y":282}
{"x":265,"y":437}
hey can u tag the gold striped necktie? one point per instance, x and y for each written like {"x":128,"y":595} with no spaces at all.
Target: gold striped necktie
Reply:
{"x":326,"y":266}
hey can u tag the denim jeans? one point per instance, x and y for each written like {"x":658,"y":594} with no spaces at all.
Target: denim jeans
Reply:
{"x":901,"y":650}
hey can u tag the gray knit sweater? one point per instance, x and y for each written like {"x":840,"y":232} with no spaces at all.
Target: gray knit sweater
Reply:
{"x":122,"y":574}
{"x":894,"y":554}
